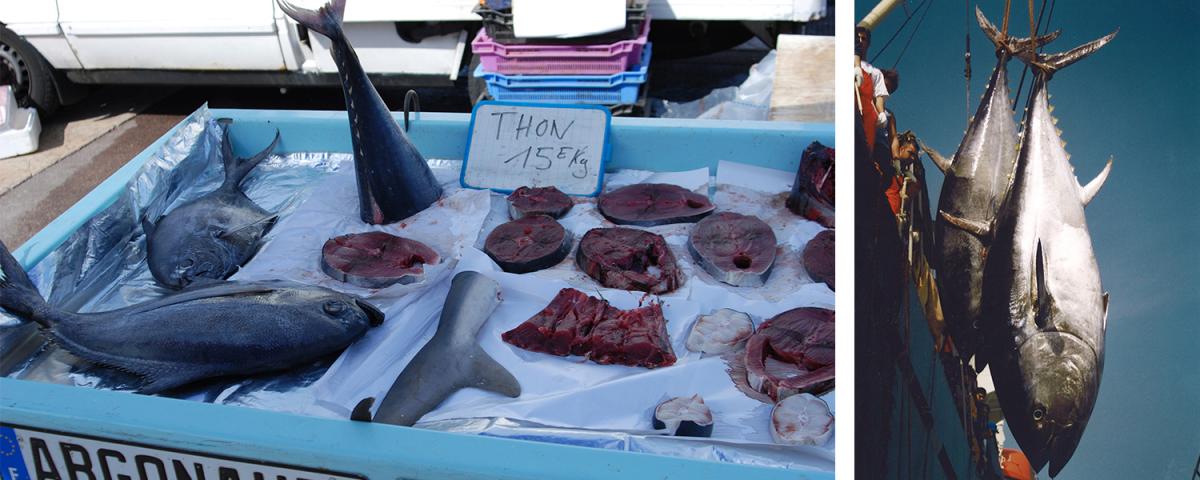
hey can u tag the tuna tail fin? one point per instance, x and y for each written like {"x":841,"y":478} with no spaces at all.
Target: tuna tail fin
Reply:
{"x":18,"y":295}
{"x":326,"y":20}
{"x":1089,"y":191}
{"x":236,"y":168}
{"x":1054,"y":62}
{"x":1011,"y":45}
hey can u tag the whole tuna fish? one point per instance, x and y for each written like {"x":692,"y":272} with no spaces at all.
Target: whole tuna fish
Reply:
{"x":451,"y":361}
{"x":1044,"y":310}
{"x":209,"y":331}
{"x":977,"y":179}
{"x":209,"y":238}
{"x":394,"y":182}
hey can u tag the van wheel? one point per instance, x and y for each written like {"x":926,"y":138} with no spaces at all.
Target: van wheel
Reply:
{"x":31,"y":78}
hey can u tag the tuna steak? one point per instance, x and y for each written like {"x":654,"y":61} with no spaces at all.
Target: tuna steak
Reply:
{"x":528,"y":244}
{"x":1044,"y":309}
{"x":977,"y":179}
{"x":451,"y":361}
{"x":629,"y":259}
{"x":215,"y":330}
{"x":818,"y":258}
{"x":394,"y":181}
{"x":651,"y":204}
{"x":812,"y":192}
{"x":576,"y":324}
{"x":791,"y":353}
{"x":538,"y":201}
{"x":376,"y":259}
{"x":734,"y":248}
{"x":211,"y":237}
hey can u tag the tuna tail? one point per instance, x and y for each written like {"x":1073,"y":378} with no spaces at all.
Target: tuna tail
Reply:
{"x":326,"y":20}
{"x":18,"y":295}
{"x":1049,"y":64}
{"x":1011,"y":45}
{"x":236,"y":168}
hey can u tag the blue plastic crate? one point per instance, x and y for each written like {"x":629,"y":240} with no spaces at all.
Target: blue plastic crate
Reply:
{"x":617,"y":89}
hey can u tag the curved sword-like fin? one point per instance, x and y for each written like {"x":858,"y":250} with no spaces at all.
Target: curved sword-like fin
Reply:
{"x":978,"y":229}
{"x":1088,"y":192}
{"x":1051,"y":63}
{"x":940,"y":161}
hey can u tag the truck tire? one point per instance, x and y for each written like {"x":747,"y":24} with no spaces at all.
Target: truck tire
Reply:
{"x":31,"y":77}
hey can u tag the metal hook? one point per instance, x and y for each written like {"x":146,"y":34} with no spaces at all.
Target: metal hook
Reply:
{"x":411,"y":103}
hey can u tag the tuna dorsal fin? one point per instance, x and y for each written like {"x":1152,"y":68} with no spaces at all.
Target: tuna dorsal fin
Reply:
{"x":1041,"y":298}
{"x":236,"y":169}
{"x":1052,"y":63}
{"x":942,"y":162}
{"x":491,"y":376}
{"x":979,"y":229}
{"x":1088,"y":192}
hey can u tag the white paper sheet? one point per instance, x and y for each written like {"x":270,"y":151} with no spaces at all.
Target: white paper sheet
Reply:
{"x":567,"y":18}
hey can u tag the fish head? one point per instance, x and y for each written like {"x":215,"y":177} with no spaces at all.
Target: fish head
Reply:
{"x":1059,"y":382}
{"x":201,"y":264}
{"x":344,"y":312}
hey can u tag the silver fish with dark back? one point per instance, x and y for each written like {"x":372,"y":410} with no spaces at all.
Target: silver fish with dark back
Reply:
{"x":1044,"y":309}
{"x":211,"y":237}
{"x":216,"y":330}
{"x":394,"y":181}
{"x":451,"y":361}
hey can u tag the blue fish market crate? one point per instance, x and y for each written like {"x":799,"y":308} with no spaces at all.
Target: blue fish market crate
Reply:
{"x":616,"y":89}
{"x":78,"y":420}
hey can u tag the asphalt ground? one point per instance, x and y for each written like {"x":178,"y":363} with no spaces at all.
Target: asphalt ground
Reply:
{"x":83,"y":144}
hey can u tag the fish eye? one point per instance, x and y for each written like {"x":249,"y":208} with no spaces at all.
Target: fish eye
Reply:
{"x":334,"y":307}
{"x":1038,"y":414}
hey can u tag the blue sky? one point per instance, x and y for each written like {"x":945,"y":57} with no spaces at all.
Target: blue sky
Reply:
{"x":1138,"y":100}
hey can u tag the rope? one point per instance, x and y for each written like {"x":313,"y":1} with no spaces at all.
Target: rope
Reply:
{"x":912,"y":35}
{"x":897,"y":32}
{"x":967,"y":59}
{"x":1025,"y":69}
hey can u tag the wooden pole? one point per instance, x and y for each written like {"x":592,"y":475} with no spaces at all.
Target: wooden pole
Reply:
{"x":882,"y":9}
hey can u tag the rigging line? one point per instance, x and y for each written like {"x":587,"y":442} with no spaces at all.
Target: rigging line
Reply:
{"x":1025,"y":69}
{"x":967,"y":60}
{"x":916,"y":29}
{"x":897,"y":33}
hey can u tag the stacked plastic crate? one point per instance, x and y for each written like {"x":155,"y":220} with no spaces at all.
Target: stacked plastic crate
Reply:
{"x":607,"y":69}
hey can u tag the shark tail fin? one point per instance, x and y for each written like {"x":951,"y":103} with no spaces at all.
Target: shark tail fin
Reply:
{"x":18,"y":295}
{"x":326,"y":20}
{"x":1089,"y":191}
{"x":236,"y":168}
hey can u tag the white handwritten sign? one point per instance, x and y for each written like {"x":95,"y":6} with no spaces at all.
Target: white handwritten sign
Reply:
{"x":513,"y":145}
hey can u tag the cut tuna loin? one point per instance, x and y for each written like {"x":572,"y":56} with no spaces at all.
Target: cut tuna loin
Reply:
{"x":650,"y":204}
{"x":684,"y":417}
{"x":791,"y":353}
{"x":629,"y":259}
{"x":723,"y":331}
{"x":526,"y":201}
{"x":801,"y":420}
{"x":576,"y":324}
{"x":733,"y":248}
{"x":528,"y":244}
{"x":812,"y":193}
{"x":376,"y":259}
{"x":818,"y":258}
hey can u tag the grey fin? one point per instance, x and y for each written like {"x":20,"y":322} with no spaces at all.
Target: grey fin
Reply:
{"x":1041,"y":299}
{"x":236,"y":169}
{"x":1089,"y":191}
{"x":978,"y":229}
{"x":940,"y":161}
{"x":269,"y":218}
{"x":362,"y":411}
{"x":325,"y":20}
{"x":18,"y":295}
{"x":491,"y":376}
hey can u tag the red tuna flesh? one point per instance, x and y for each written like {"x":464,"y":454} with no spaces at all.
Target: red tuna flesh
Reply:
{"x":812,"y":193}
{"x":792,"y":353}
{"x":528,"y":244}
{"x":376,"y":259}
{"x":550,"y":201}
{"x":650,"y":204}
{"x":629,"y":259}
{"x":733,"y":248}
{"x":576,"y":324}
{"x":818,"y":258}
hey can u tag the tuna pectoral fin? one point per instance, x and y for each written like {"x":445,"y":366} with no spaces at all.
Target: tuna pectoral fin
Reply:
{"x":942,"y":163}
{"x":1104,"y":323}
{"x":1088,"y":192}
{"x":978,"y":229}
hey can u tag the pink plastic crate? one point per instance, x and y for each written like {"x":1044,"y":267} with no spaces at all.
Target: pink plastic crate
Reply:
{"x":532,"y":59}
